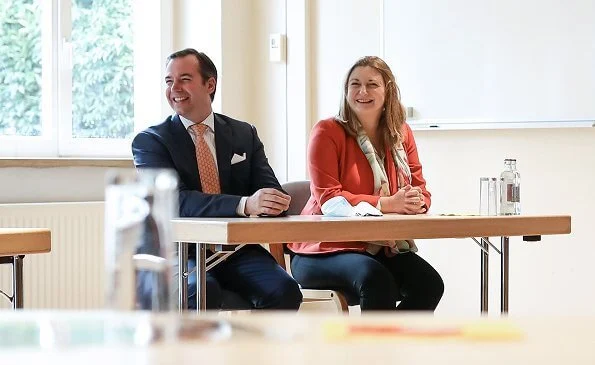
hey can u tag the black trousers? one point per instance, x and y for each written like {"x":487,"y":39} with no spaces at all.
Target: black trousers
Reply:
{"x":254,"y":275}
{"x":377,"y":281}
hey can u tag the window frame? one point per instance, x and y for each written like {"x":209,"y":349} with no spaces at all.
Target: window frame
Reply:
{"x":151,"y":18}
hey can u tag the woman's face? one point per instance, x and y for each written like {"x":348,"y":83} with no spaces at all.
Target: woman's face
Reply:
{"x":365,"y":92}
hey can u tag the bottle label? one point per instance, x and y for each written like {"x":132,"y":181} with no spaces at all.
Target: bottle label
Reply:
{"x":513,"y":193}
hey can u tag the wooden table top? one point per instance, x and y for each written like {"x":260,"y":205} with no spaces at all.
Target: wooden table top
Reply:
{"x":312,"y":228}
{"x":23,"y":241}
{"x":287,"y":339}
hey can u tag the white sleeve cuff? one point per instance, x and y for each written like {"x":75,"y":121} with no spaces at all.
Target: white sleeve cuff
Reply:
{"x":378,"y":206}
{"x":240,"y":210}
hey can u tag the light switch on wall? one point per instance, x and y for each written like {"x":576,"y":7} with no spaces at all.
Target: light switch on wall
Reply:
{"x":277,"y":47}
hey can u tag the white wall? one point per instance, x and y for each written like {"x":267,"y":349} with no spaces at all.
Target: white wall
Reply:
{"x":59,"y":184}
{"x":268,"y":90}
{"x":557,"y":168}
{"x":234,"y":33}
{"x":342,"y":32}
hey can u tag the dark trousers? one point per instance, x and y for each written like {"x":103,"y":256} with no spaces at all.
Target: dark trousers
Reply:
{"x":377,"y":281}
{"x":254,"y":275}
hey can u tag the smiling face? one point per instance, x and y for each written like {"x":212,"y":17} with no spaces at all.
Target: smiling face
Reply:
{"x":365,"y":93}
{"x":187,"y":92}
{"x":372,"y":100}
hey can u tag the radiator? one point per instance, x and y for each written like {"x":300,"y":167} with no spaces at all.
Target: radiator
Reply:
{"x":71,"y":276}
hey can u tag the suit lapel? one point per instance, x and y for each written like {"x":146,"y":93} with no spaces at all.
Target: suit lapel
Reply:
{"x":186,"y":150}
{"x":224,"y":148}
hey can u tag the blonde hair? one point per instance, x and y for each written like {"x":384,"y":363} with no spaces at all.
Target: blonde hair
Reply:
{"x":393,"y":115}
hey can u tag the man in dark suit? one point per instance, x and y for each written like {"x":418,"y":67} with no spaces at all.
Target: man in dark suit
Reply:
{"x":223,"y":172}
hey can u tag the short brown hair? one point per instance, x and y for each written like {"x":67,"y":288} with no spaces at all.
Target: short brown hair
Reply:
{"x":393,"y":115}
{"x":206,"y":67}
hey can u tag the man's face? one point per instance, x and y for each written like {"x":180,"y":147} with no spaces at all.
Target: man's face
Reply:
{"x":187,"y":93}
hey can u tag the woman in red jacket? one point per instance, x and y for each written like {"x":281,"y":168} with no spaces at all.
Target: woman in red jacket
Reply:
{"x":367,"y":154}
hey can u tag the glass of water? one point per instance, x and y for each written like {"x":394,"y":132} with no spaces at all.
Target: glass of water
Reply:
{"x":139,"y":207}
{"x":488,"y":196}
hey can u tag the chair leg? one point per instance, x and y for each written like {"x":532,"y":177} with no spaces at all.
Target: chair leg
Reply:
{"x":340,"y":302}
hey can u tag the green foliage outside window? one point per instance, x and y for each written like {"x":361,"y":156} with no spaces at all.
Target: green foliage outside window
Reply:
{"x":102,"y":92}
{"x":20,"y":68}
{"x":102,"y":85}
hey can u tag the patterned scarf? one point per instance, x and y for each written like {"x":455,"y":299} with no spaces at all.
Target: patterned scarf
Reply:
{"x":381,"y":187}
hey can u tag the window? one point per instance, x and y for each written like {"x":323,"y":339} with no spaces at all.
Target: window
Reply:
{"x":80,"y":77}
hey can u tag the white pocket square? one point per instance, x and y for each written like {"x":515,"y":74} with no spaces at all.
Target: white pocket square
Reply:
{"x":238,"y":158}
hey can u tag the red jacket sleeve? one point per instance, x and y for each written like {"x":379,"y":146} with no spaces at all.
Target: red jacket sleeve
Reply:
{"x":326,"y":158}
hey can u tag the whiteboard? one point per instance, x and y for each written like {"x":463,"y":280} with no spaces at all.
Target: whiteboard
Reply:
{"x":493,"y":63}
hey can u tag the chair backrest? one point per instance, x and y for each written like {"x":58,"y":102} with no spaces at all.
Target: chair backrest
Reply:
{"x":300,"y":193}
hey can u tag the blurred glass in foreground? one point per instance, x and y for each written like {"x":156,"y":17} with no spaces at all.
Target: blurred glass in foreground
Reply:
{"x":139,"y":206}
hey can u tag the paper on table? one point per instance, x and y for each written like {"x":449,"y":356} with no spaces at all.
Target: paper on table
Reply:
{"x":338,"y":206}
{"x":457,"y":214}
{"x":479,"y":331}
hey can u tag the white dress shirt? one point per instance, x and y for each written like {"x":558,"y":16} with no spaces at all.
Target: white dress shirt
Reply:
{"x":209,"y":137}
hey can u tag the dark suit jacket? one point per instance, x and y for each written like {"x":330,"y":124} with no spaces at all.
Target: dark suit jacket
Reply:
{"x":168,"y":145}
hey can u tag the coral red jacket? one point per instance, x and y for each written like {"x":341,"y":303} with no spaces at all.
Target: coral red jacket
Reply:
{"x":337,"y":166}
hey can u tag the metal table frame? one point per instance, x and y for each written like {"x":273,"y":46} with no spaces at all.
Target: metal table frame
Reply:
{"x":484,"y":243}
{"x":236,"y":231}
{"x":17,"y":280}
{"x":203,"y":264}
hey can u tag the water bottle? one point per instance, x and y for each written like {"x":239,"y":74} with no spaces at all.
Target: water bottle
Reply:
{"x":510,"y":189}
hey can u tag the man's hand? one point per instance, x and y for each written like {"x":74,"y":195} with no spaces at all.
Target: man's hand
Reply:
{"x":267,"y":201}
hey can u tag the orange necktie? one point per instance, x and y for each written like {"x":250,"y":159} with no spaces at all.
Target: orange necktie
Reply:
{"x":209,"y":177}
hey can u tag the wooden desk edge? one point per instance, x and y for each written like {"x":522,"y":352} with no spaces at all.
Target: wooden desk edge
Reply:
{"x":235,"y":231}
{"x":25,"y":241}
{"x":24,"y":252}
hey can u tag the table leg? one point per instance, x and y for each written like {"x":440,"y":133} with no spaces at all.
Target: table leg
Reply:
{"x":201,"y":277}
{"x":17,"y":282}
{"x":504,"y":242}
{"x":183,"y":276}
{"x":484,"y":275}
